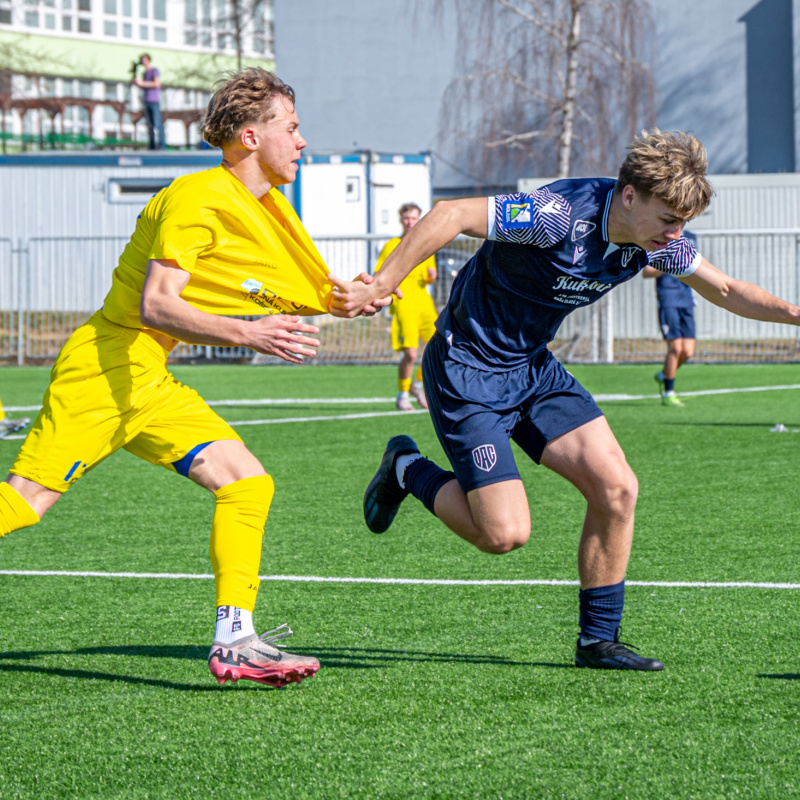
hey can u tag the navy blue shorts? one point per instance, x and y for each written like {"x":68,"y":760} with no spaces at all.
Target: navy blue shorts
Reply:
{"x":476,"y":413}
{"x":676,"y":323}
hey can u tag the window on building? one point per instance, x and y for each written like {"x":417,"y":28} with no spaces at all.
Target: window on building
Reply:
{"x":84,"y":88}
{"x":84,"y":5}
{"x":206,"y":12}
{"x":50,"y":3}
{"x":127,"y":30}
{"x":205,"y":38}
{"x":32,"y":19}
{"x":50,"y":21}
{"x":109,"y":114}
{"x":160,"y":9}
{"x":143,"y":32}
{"x":84,"y":25}
{"x":66,"y":4}
{"x":160,"y":34}
{"x":110,"y":6}
{"x":127,"y":8}
{"x":190,"y":12}
{"x":5,"y":16}
{"x":190,"y":37}
{"x":143,"y":9}
{"x":259,"y":45}
{"x":110,"y":28}
{"x":110,"y":91}
{"x":222,"y":41}
{"x":31,"y":2}
{"x":48,"y":87}
{"x":66,"y":23}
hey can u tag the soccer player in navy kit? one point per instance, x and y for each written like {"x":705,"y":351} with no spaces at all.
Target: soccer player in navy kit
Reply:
{"x":490,"y":377}
{"x":676,"y":318}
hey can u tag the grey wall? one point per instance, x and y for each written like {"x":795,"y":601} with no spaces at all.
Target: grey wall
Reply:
{"x":370,"y":76}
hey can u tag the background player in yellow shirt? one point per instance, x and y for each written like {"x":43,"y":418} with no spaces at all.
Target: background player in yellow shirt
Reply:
{"x":211,"y":245}
{"x":8,"y":425}
{"x":413,"y":316}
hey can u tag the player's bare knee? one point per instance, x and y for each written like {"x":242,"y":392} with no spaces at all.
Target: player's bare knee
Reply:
{"x":619,"y":493}
{"x":501,"y":538}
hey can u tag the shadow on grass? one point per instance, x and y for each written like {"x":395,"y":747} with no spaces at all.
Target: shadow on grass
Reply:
{"x":331,"y":658}
{"x":781,"y":676}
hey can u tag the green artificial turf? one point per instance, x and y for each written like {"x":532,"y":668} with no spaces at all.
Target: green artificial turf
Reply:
{"x":425,"y":690}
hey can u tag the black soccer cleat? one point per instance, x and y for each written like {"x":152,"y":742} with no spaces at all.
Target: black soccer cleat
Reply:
{"x":613,"y":655}
{"x":384,"y":494}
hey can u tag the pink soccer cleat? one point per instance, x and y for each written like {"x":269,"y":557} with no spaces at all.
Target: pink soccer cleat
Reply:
{"x":256,"y":658}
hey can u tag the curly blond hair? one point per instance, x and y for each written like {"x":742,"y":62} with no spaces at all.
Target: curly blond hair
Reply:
{"x":670,"y":166}
{"x":244,"y":99}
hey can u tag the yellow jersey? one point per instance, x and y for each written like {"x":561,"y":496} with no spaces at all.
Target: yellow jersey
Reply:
{"x":415,"y":284}
{"x":245,"y":256}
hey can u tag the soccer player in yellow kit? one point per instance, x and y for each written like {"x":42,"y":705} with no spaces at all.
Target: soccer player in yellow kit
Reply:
{"x":211,"y":245}
{"x":413,"y":316}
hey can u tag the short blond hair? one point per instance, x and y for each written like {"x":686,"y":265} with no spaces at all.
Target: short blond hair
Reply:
{"x":244,"y":99}
{"x":670,"y":166}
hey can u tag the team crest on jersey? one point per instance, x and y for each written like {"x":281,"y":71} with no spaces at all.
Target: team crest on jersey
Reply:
{"x":517,"y":214}
{"x":252,"y":286}
{"x":581,"y":228}
{"x":485,"y":457}
{"x":578,"y":254}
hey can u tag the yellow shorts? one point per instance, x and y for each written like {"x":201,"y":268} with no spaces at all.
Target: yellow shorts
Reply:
{"x":110,"y":389}
{"x":412,"y":321}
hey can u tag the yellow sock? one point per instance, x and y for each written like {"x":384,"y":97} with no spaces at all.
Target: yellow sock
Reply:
{"x":236,"y":534}
{"x":2,"y":413}
{"x":15,"y":513}
{"x":403,"y":384}
{"x":419,"y":374}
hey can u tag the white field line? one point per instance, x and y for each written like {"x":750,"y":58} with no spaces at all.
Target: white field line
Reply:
{"x":400,"y":581}
{"x":600,"y":398}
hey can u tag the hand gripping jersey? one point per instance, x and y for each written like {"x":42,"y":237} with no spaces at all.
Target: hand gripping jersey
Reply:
{"x":546,"y":255}
{"x":245,"y":256}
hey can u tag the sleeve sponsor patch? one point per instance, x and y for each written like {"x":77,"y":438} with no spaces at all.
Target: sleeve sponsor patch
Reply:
{"x":541,"y":218}
{"x":517,"y":214}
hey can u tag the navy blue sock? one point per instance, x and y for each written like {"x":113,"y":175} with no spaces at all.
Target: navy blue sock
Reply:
{"x":668,"y":384}
{"x":423,"y":479}
{"x":601,"y":611}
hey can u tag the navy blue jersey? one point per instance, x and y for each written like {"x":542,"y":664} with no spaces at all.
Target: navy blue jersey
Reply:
{"x":672,"y":293}
{"x":546,"y":255}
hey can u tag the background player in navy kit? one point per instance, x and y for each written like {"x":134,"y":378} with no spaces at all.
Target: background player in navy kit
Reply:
{"x":491,"y":378}
{"x":676,"y":318}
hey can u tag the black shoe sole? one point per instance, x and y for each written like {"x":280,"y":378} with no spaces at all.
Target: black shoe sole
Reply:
{"x":382,"y":500}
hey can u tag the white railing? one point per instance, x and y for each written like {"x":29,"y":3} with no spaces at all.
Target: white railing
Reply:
{"x":49,"y":286}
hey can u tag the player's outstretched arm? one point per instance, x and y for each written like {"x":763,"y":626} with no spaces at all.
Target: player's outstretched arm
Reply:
{"x":439,"y":226}
{"x":740,"y":297}
{"x":163,"y":309}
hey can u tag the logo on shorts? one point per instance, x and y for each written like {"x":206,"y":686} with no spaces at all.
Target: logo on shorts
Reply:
{"x":485,"y":457}
{"x":517,"y":215}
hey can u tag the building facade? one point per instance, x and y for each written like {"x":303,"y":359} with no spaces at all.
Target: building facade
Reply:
{"x":66,"y":65}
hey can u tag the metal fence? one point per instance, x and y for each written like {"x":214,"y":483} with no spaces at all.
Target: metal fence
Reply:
{"x":50,"y":285}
